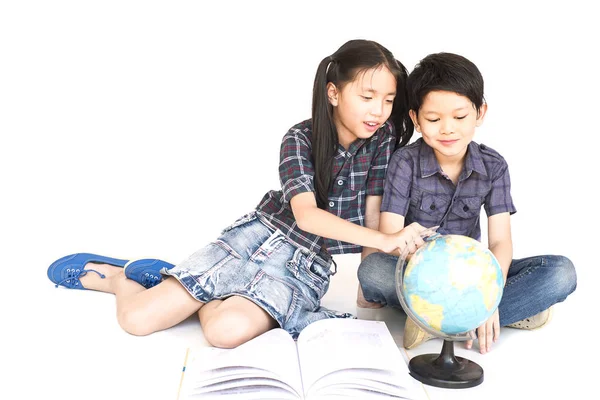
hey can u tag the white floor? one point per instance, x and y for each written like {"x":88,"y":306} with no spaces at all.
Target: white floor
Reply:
{"x":70,"y":347}
{"x":135,"y":128}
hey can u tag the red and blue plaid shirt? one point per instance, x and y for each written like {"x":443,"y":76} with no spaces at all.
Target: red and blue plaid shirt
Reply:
{"x":357,"y":172}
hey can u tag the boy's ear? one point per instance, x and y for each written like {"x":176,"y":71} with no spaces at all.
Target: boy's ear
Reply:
{"x":332,"y":94}
{"x":413,"y":116}
{"x":481,"y":114}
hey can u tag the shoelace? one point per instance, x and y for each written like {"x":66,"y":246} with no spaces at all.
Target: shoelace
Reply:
{"x":149,"y":280}
{"x":75,"y":274}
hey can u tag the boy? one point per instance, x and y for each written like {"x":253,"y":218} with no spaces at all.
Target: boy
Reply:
{"x":444,"y":178}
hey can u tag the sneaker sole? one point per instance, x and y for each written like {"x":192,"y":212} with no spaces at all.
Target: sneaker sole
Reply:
{"x":524,"y":324}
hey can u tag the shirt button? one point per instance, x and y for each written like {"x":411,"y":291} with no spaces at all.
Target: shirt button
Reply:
{"x":432,"y":207}
{"x":466,"y":208}
{"x":340,"y":182}
{"x":331,"y":204}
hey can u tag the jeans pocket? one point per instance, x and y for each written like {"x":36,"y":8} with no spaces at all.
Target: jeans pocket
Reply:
{"x":205,"y":274}
{"x":318,"y":272}
{"x":251,"y":216}
{"x":310,"y":273}
{"x":276,"y":296}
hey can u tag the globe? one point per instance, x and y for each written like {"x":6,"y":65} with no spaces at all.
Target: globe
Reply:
{"x":450,"y":286}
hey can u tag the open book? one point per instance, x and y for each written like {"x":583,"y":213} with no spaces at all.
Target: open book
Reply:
{"x":332,"y":358}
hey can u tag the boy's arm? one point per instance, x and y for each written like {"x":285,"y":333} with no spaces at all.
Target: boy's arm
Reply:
{"x":500,"y":244}
{"x":372,"y":215}
{"x":500,"y":240}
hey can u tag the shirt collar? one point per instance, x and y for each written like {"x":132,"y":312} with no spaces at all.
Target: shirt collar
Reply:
{"x":430,"y":166}
{"x":354,"y":146}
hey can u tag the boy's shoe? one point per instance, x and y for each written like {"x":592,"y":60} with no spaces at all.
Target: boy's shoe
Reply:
{"x":146,"y":271}
{"x":67,"y":270}
{"x":413,"y":335}
{"x":536,"y":322}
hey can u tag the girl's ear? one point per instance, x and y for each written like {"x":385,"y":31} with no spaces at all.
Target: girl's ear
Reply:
{"x":332,"y":94}
{"x":481,"y":114}
{"x":413,"y":115}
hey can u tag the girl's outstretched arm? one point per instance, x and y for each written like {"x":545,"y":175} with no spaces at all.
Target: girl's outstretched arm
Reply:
{"x":319,"y":222}
{"x":372,"y":214}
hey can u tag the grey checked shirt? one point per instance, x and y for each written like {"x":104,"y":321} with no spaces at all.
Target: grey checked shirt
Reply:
{"x":417,"y":188}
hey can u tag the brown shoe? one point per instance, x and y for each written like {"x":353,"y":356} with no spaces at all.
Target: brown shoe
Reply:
{"x":535,"y":322}
{"x":363,"y":303}
{"x":413,"y":335}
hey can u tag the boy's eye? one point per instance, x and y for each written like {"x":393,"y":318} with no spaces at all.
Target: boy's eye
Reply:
{"x":463,"y":117}
{"x":366,"y":97}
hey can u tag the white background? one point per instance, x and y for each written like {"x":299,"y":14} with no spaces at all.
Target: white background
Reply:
{"x":142,"y":128}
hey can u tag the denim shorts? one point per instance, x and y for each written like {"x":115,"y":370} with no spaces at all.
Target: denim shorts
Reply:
{"x":254,"y":260}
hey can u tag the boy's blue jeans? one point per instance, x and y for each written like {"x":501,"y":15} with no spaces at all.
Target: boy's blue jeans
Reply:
{"x":533,"y":284}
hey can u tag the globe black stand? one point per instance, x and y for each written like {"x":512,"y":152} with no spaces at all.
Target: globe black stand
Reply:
{"x":445,"y":370}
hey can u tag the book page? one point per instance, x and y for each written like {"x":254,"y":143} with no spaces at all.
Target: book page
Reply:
{"x":267,"y":361}
{"x":354,"y":354}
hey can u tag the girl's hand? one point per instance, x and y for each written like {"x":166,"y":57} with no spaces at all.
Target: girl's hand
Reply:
{"x":487,"y":333}
{"x":410,"y":237}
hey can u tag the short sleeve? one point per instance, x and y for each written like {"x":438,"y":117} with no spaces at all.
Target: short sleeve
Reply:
{"x":499,"y":199}
{"x":398,"y":183}
{"x":379,"y":166}
{"x":296,"y":172}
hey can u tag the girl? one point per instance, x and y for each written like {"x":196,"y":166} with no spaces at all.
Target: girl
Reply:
{"x":272,"y":266}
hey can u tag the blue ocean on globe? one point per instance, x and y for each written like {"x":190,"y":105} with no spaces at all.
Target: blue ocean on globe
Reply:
{"x":453,"y":284}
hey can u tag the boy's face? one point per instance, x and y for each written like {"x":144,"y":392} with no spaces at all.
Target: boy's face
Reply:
{"x":363,"y":105}
{"x":447,"y":123}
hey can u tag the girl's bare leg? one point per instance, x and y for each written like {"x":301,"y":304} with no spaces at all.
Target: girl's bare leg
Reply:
{"x":142,"y":311}
{"x":233,"y":321}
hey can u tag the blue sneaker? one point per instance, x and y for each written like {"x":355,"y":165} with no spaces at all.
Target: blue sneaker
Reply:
{"x":146,"y":271}
{"x":67,"y":270}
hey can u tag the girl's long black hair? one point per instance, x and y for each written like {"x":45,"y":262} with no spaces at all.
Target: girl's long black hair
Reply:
{"x":341,"y":68}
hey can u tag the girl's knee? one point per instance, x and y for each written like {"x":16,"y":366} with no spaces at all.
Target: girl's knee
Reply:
{"x":230,"y":328}
{"x":134,"y":322}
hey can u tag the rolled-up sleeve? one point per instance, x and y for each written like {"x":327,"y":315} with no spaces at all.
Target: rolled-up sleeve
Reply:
{"x":296,"y":172}
{"x":398,"y":183}
{"x":499,"y":199}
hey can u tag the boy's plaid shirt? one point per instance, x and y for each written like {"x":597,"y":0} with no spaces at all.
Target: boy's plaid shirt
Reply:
{"x":357,"y":172}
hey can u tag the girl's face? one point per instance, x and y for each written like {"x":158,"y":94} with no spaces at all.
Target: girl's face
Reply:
{"x":447,"y":123}
{"x":363,"y":105}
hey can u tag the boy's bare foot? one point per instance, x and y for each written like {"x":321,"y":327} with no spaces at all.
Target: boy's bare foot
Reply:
{"x":362,"y":303}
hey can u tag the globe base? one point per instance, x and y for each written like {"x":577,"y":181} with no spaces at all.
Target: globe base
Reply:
{"x":445,"y":370}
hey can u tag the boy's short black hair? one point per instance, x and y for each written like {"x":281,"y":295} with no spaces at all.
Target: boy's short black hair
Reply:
{"x":445,"y":71}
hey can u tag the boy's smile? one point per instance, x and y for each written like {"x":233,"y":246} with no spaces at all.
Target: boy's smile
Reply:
{"x":447,"y":123}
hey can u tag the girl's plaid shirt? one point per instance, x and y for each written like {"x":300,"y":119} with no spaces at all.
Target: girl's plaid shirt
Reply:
{"x":357,"y":172}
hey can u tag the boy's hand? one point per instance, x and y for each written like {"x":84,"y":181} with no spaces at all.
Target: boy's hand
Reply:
{"x":487,"y":333}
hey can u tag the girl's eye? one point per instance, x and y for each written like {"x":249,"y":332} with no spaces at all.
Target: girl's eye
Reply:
{"x":366,"y":97}
{"x":390,"y":101}
{"x":432,"y":120}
